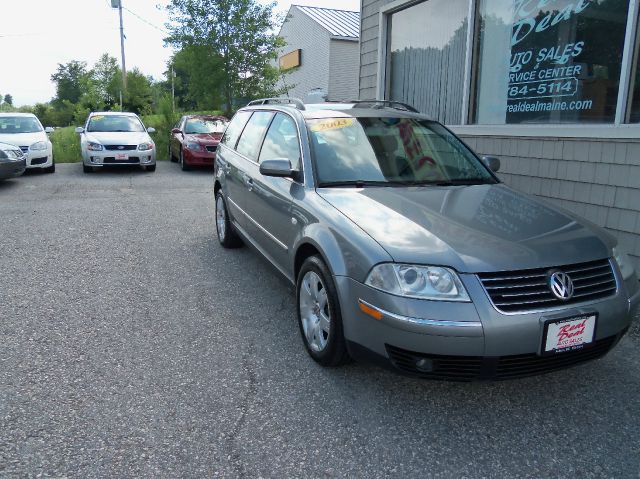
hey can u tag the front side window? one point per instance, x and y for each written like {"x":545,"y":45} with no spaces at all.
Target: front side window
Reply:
{"x":426,"y":57}
{"x":249,"y":144}
{"x":232,"y":133}
{"x":19,"y":124}
{"x":282,"y":141}
{"x":390,"y":151}
{"x":114,"y":123}
{"x":549,"y":61}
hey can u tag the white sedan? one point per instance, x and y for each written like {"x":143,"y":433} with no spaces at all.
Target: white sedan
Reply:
{"x":26,"y":131}
{"x":116,"y":139}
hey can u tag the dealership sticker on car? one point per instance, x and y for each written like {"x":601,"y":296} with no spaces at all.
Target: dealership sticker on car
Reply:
{"x":122,"y":156}
{"x":569,"y":334}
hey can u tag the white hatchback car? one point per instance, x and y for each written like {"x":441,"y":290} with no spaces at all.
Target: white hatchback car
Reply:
{"x":26,"y":131}
{"x":116,"y":139}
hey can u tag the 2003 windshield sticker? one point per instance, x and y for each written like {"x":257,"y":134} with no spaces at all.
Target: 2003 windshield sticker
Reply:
{"x":331,"y":124}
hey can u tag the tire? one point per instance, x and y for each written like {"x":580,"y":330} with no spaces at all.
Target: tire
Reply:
{"x":171,"y":157}
{"x":150,"y":168}
{"x":227,"y":236}
{"x":50,"y":169}
{"x":183,"y":165}
{"x":319,"y":315}
{"x":87,"y":169}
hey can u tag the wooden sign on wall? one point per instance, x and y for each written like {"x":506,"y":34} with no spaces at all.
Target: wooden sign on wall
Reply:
{"x":291,"y":60}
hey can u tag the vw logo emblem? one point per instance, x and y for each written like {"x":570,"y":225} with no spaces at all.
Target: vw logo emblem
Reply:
{"x":561,"y":285}
{"x":121,"y":147}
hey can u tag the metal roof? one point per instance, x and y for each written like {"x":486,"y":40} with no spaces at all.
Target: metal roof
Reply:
{"x":340,"y":23}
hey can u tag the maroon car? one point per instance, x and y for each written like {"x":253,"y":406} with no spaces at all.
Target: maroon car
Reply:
{"x":195,"y":138}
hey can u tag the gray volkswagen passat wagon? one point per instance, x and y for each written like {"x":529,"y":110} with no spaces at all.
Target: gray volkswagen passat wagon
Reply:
{"x":407,"y":250}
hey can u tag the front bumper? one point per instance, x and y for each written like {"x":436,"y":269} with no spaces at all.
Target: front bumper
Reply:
{"x":11,"y":169}
{"x":110,"y":158}
{"x":199,"y":158}
{"x":469,"y":341}
{"x":39,"y":159}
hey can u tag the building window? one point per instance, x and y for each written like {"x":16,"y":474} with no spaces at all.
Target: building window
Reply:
{"x":426,"y":57}
{"x":541,"y":61}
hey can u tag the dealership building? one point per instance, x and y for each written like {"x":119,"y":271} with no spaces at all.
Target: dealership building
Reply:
{"x":551,"y":87}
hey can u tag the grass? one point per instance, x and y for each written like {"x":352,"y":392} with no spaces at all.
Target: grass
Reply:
{"x":66,"y":142}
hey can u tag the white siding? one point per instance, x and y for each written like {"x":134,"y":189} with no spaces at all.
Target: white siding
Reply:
{"x":344,"y":70}
{"x":301,"y":32}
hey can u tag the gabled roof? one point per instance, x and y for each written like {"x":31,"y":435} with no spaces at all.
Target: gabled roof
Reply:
{"x":339,"y":23}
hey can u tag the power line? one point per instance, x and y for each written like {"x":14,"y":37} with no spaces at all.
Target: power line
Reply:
{"x":145,"y":20}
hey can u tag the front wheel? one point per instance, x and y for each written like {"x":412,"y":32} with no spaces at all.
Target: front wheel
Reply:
{"x":226,"y":234}
{"x":87,"y":169}
{"x":150,"y":168}
{"x":319,"y":315}
{"x":183,"y":165}
{"x":50,"y":169}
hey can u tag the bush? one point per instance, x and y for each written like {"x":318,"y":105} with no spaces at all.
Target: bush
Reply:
{"x":66,"y":145}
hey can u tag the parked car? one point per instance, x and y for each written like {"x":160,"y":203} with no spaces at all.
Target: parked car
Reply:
{"x":116,"y":139}
{"x":406,"y":249}
{"x":12,"y":161}
{"x":26,"y":131}
{"x":194,"y":140}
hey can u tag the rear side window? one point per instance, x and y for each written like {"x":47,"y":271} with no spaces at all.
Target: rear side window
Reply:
{"x":282,"y":141}
{"x":249,"y":144}
{"x":234,"y":129}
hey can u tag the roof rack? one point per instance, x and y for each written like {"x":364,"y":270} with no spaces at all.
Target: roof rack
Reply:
{"x":382,"y":103}
{"x":282,"y":100}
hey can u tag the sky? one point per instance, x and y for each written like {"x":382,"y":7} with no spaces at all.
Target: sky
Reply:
{"x":36,"y":35}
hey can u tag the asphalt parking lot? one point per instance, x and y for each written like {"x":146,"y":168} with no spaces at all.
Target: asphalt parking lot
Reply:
{"x":133,"y":345}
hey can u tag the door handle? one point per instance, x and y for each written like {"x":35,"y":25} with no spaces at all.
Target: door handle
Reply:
{"x":248,"y":182}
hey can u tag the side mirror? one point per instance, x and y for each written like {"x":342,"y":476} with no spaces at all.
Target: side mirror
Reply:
{"x":280,"y":168}
{"x":48,"y":129}
{"x":79,"y":130}
{"x":151,"y":130}
{"x":492,"y":163}
{"x":175,"y":131}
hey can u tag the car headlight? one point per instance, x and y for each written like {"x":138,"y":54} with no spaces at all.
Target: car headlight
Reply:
{"x":39,"y":146}
{"x":422,"y":282}
{"x":10,"y":155}
{"x":145,"y":146}
{"x":624,"y":262}
{"x":91,"y":146}
{"x":194,"y":146}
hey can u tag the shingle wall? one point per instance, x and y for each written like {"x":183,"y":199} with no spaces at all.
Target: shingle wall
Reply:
{"x":343,"y":70}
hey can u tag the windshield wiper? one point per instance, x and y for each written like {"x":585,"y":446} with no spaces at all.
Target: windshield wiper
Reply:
{"x":358,"y":183}
{"x":462,"y":181}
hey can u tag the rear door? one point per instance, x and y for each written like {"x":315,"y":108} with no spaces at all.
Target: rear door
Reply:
{"x":229,"y":167}
{"x":269,"y":199}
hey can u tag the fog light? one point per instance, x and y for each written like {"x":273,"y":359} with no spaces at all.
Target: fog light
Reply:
{"x":425,"y":365}
{"x":96,"y":159}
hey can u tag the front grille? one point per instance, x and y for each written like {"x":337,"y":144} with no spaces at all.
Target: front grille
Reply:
{"x":24,"y":149}
{"x":39,"y":161}
{"x":211,"y":148}
{"x":112,"y":160}
{"x":475,"y":368}
{"x":528,"y":290}
{"x":120,"y":147}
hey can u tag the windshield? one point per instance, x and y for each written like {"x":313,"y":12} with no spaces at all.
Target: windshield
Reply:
{"x":114,"y":123}
{"x":390,"y":151}
{"x":19,"y":124}
{"x":201,"y":125}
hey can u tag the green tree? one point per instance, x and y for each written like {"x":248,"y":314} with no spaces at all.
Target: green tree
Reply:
{"x":239,"y":32}
{"x":103,"y":74}
{"x":199,"y":77}
{"x":138,"y":97}
{"x":8,"y":99}
{"x":69,"y":81}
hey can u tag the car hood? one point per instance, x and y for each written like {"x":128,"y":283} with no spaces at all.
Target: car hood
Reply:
{"x":479,"y":228}
{"x":23,"y":139}
{"x":118,"y":137}
{"x":205,"y":138}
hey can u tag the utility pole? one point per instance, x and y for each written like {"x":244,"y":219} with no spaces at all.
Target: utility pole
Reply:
{"x":118,"y":4}
{"x":173,"y":90}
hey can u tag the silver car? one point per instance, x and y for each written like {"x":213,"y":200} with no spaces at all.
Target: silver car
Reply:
{"x":407,"y":250}
{"x":13,"y":162}
{"x":116,"y":139}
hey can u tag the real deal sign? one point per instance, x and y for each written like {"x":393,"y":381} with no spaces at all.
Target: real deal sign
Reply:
{"x":570,"y":334}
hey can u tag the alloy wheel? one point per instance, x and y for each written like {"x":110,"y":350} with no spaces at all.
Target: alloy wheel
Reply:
{"x":221,"y":218}
{"x":314,"y":311}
